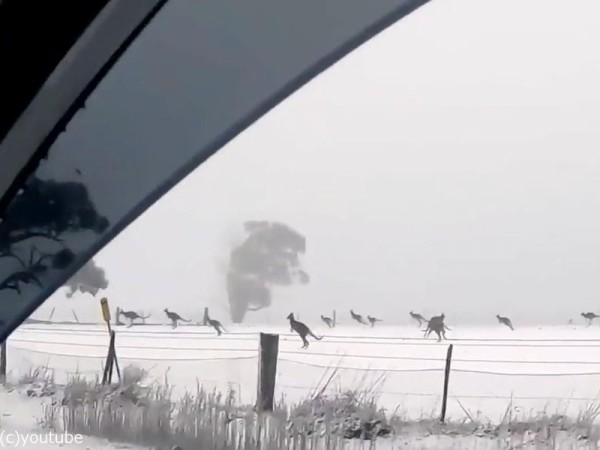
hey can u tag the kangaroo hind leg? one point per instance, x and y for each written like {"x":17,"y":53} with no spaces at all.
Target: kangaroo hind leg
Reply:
{"x":305,"y":341}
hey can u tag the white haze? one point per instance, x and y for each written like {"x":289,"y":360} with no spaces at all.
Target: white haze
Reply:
{"x":451,"y":164}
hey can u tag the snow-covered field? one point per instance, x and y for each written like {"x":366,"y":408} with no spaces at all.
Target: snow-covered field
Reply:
{"x":22,"y":427}
{"x":556,"y":369}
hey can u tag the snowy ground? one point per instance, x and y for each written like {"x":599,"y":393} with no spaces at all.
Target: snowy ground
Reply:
{"x":22,"y":415}
{"x":22,"y":419}
{"x":556,"y":369}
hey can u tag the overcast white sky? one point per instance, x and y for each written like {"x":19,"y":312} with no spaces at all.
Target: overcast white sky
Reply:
{"x":450,"y":164}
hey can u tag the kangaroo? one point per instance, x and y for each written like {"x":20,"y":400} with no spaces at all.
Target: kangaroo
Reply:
{"x":438,"y":328}
{"x":504,"y":321}
{"x":131,"y":316}
{"x":216,"y":325}
{"x":174,"y":317}
{"x":358,"y":318}
{"x":590,"y":316}
{"x":436,"y":324}
{"x":373,"y":320}
{"x":419,"y":318}
{"x":328,"y":321}
{"x":302,"y":330}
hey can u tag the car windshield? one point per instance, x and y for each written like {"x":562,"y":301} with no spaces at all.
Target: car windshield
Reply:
{"x":412,"y":236}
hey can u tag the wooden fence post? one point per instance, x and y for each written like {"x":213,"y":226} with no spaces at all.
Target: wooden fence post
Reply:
{"x":108,"y":365}
{"x":112,"y":362}
{"x":115,"y":362}
{"x":334,"y":319}
{"x":446,"y":381}
{"x":267,"y":371}
{"x":205,"y":319}
{"x":3,"y":363}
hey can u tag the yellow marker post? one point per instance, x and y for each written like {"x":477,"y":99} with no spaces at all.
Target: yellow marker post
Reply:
{"x":105,"y":312}
{"x":105,"y":309}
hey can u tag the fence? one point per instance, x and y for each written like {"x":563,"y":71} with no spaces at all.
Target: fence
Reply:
{"x":485,"y":376}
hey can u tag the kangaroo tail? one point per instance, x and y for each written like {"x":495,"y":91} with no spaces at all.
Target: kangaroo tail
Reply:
{"x":183,"y":320}
{"x":315,"y":336}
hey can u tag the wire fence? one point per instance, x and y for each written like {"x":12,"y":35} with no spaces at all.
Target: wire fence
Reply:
{"x":251,"y":335}
{"x":499,"y":370}
{"x":304,"y":354}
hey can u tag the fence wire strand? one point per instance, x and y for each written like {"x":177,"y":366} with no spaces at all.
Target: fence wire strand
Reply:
{"x":201,"y":342}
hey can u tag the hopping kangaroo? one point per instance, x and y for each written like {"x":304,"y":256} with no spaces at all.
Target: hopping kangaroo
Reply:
{"x":590,"y":316}
{"x":216,"y":325}
{"x":419,"y":318}
{"x":131,"y":316}
{"x":302,"y":330}
{"x":436,"y":324}
{"x":505,"y":321}
{"x":328,"y":321}
{"x":373,"y":320}
{"x":358,"y":318}
{"x":174,"y":317}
